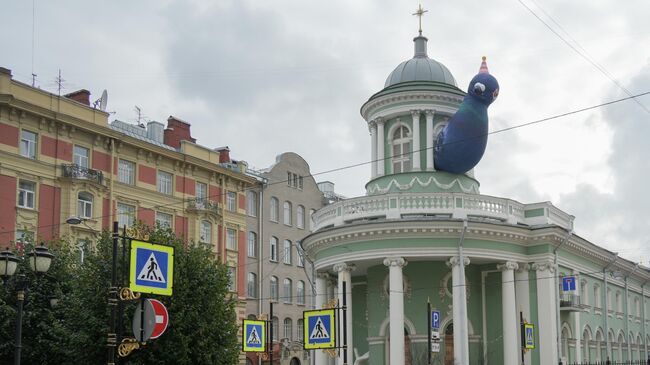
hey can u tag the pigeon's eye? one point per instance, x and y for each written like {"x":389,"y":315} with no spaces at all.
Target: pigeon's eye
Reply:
{"x":479,"y":89}
{"x":495,"y":94}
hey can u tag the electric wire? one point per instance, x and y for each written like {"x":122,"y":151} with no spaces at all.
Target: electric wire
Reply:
{"x":354,"y":165}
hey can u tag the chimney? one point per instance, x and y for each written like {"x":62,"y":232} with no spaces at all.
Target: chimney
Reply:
{"x":82,"y":96}
{"x":177,"y":131}
{"x":224,"y":154}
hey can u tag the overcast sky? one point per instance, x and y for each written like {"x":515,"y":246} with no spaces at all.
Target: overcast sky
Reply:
{"x":266,"y":77}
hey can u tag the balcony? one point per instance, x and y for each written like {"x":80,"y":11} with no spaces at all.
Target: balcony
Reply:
{"x":442,"y":205}
{"x":203,"y":204}
{"x":570,"y":302}
{"x":74,"y":171}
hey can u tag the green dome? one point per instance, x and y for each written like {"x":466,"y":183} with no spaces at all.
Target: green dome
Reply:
{"x":420,"y":68}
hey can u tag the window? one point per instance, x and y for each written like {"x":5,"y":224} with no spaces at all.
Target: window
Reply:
{"x":231,"y":201}
{"x":637,"y":307}
{"x":276,"y":328}
{"x":273,"y":248}
{"x":289,"y":178}
{"x":287,"y":252}
{"x":287,"y":289}
{"x":125,"y":215}
{"x":164,"y":220}
{"x":205,"y":234}
{"x":164,"y":182}
{"x":26,"y":194}
{"x":619,"y":302}
{"x":251,"y":287}
{"x":252,"y":244}
{"x":300,"y":327}
{"x":300,"y":292}
{"x":232,"y":278}
{"x":300,"y":217}
{"x":401,"y":150}
{"x":28,"y":143}
{"x":583,"y":293}
{"x":201,"y":192}
{"x":126,"y":172}
{"x":81,"y":156}
{"x":301,"y":255}
{"x":287,"y":213}
{"x":274,"y":206}
{"x":24,"y":236}
{"x":231,"y":239}
{"x":84,"y":205}
{"x":251,"y":203}
{"x":274,"y":288}
{"x":288,"y":328}
{"x":597,"y":298}
{"x":300,"y":182}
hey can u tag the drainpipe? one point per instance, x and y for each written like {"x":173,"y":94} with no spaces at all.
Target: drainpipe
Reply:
{"x":608,"y":345}
{"x":260,"y":254}
{"x":110,"y":186}
{"x":627,"y":313}
{"x":557,"y":296}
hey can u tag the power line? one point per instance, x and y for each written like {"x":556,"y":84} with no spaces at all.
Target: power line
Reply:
{"x":522,"y":125}
{"x":585,"y":55}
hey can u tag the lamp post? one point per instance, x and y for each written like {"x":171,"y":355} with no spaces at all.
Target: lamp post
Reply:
{"x":39,"y":260}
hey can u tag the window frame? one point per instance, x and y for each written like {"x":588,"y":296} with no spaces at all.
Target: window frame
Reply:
{"x":121,"y":214}
{"x":300,"y":216}
{"x":273,"y":249}
{"x":161,"y":219}
{"x":200,"y":190}
{"x":26,"y":198}
{"x":251,"y":203}
{"x":288,"y":328}
{"x":402,"y":159}
{"x":251,"y":244}
{"x":28,"y":148}
{"x":287,"y":290}
{"x":163,"y":186}
{"x":286,"y":252}
{"x":287,"y":213}
{"x":231,"y":240}
{"x":232,"y":278}
{"x":203,"y":232}
{"x":126,"y":171}
{"x":274,"y":209}
{"x":85,"y":206}
{"x":251,"y":285}
{"x":274,"y":288}
{"x":78,"y":159}
{"x":231,"y":201}
{"x":300,"y":292}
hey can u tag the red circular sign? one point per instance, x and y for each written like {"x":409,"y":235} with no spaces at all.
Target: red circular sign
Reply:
{"x":162,"y":318}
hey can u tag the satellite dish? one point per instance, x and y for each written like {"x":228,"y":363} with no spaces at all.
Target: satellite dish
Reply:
{"x":103,"y":100}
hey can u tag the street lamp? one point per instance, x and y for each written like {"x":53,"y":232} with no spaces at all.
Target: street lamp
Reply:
{"x":40,"y":260}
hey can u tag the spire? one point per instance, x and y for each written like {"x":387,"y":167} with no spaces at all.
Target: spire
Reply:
{"x":484,"y":68}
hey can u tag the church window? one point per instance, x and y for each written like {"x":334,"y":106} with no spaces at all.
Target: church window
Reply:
{"x":401,"y":150}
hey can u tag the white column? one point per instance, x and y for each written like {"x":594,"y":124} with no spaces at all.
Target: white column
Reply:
{"x":459,"y":307}
{"x":380,"y":147}
{"x":509,"y":313}
{"x":576,"y":323}
{"x":396,"y":308}
{"x":546,"y":308}
{"x":522,"y":294}
{"x":429,"y":115}
{"x":320,"y":357}
{"x":415,"y":146}
{"x":373,"y":149}
{"x":344,"y":271}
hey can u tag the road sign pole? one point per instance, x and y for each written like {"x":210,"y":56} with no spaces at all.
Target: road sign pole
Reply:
{"x":271,"y":331}
{"x":523,"y":336}
{"x":429,"y":331}
{"x":345,"y":325}
{"x":112,"y":300}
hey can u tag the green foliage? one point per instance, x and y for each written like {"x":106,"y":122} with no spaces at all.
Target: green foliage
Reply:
{"x":202,"y":328}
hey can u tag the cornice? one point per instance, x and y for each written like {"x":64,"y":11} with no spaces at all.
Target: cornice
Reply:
{"x":439,"y":96}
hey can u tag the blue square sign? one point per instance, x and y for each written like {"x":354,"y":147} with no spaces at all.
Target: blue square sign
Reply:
{"x":435,"y":319}
{"x":152,"y":268}
{"x":569,"y":283}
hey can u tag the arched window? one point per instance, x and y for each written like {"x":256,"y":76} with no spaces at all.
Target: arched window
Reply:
{"x":205,"y":233}
{"x":252,"y":285}
{"x":251,"y":203}
{"x":274,"y":206}
{"x":274,"y":288}
{"x":287,"y":290}
{"x":287,"y":213}
{"x":600,"y":346}
{"x":85,"y":205}
{"x":276,"y":329}
{"x":565,"y":341}
{"x":300,"y":292}
{"x":300,"y":217}
{"x":273,"y":249}
{"x":401,"y":150}
{"x":287,"y":252}
{"x":300,"y":328}
{"x":252,"y":244}
{"x":586,"y":339}
{"x":622,"y":346}
{"x":288,"y":328}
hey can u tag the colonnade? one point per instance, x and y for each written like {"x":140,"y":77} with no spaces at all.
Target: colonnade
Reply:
{"x":378,"y":143}
{"x":515,"y":298}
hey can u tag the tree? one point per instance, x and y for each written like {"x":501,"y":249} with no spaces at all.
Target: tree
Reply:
{"x":202,"y":328}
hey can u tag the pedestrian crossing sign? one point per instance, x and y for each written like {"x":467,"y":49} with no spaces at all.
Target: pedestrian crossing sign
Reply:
{"x":319,"y":332}
{"x":529,"y":336}
{"x":254,"y":336}
{"x":152,"y":268}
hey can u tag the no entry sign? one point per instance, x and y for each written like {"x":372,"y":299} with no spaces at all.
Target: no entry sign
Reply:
{"x":161,"y":318}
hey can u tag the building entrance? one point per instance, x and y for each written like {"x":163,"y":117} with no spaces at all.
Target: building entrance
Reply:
{"x":449,"y":344}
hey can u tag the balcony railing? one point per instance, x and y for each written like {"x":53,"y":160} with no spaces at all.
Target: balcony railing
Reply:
{"x":570,"y":302}
{"x":452,"y":205}
{"x":74,"y":171}
{"x":204,"y":204}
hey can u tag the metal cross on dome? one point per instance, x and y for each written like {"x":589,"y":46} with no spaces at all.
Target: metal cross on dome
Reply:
{"x":420,"y":12}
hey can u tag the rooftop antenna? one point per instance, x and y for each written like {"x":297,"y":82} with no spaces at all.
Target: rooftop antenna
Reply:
{"x":59,"y":82}
{"x":33,"y":40}
{"x":101,"y":102}
{"x":141,"y":117}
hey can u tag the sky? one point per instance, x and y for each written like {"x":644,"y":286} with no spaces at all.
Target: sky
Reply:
{"x":267,"y":77}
